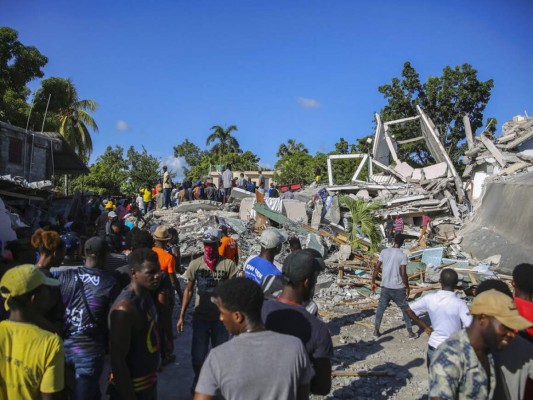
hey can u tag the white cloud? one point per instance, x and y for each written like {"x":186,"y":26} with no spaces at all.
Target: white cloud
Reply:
{"x":121,"y":126}
{"x":175,"y":165}
{"x":265,"y":166}
{"x":308,"y":103}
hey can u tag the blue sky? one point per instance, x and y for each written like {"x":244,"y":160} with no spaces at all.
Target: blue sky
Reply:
{"x":165,"y":71}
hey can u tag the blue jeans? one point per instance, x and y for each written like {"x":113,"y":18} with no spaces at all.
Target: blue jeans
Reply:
{"x":399,"y":298}
{"x":166,"y":197}
{"x":87,"y":369}
{"x":204,"y":332}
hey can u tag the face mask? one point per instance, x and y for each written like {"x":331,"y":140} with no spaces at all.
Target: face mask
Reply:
{"x":210,"y":256}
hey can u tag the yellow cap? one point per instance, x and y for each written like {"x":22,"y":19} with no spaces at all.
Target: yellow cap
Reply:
{"x":21,"y":280}
{"x":109,"y":205}
{"x":500,"y":306}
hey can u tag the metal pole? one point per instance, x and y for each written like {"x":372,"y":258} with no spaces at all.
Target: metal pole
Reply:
{"x":26,"y":135}
{"x":46,"y":112}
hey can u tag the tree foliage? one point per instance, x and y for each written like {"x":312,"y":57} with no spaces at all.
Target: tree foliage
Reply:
{"x":19,"y":64}
{"x":226,"y":142}
{"x":445,"y":99}
{"x":364,"y":221}
{"x":295,"y":164}
{"x":67,"y":114}
{"x":113,"y":173}
{"x":226,"y":151}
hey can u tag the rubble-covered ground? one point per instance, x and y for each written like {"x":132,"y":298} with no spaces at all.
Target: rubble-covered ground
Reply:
{"x":401,"y":361}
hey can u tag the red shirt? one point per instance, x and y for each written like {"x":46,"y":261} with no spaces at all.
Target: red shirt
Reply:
{"x":525,"y":309}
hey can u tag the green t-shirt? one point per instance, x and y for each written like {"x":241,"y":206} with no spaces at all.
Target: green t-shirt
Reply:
{"x":206,"y":281}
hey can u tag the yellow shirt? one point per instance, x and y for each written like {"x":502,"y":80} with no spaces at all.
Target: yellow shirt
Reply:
{"x":31,"y":361}
{"x":147,"y":195}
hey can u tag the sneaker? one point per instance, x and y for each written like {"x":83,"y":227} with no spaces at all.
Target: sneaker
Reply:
{"x":376,"y":333}
{"x":163,"y":208}
{"x":412,"y":335}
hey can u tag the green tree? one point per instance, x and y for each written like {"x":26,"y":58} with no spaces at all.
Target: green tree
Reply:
{"x":19,"y":65}
{"x":364,"y":221}
{"x":445,"y":99}
{"x":107,"y":175}
{"x":295,"y":168}
{"x":192,"y":155}
{"x":143,"y":168}
{"x":67,"y":114}
{"x":226,"y":142}
{"x":291,"y":148}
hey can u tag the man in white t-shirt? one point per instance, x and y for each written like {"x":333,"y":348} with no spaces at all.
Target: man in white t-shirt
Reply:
{"x":447,"y":312}
{"x":394,"y":284}
{"x":227,"y":180}
{"x":243,"y":368}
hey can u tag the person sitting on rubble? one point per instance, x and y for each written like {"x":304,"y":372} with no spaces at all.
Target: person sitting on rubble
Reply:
{"x":251,"y":186}
{"x":463,"y":366}
{"x":394,"y":284}
{"x":272,"y":191}
{"x":228,"y":246}
{"x":288,"y":195}
{"x":211,"y":192}
{"x":446,"y":311}
{"x":286,"y":314}
{"x":257,"y":268}
{"x":231,"y":372}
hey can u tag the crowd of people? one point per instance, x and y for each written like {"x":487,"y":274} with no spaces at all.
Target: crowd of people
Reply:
{"x":95,"y":300}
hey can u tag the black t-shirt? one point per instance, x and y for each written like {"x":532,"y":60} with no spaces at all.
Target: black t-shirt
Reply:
{"x":297,"y":321}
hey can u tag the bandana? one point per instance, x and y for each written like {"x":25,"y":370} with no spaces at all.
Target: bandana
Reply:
{"x":210,"y":256}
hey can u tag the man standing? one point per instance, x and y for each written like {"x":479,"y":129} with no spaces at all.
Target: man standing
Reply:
{"x":389,"y":226}
{"x":286,"y":314}
{"x":230,"y":370}
{"x":288,"y":195}
{"x":394,"y":284}
{"x":147,"y":199}
{"x":228,"y":246}
{"x":262,"y":179}
{"x":426,"y":224}
{"x":463,"y":367}
{"x":523,"y":292}
{"x":398,"y":225}
{"x":227,"y":179}
{"x":167,"y":188}
{"x":31,"y":359}
{"x":207,"y":272}
{"x":257,"y":268}
{"x":272,"y":191}
{"x":446,"y":311}
{"x":134,"y":343}
{"x":167,"y":263}
{"x":242,"y":183}
{"x":87,"y":293}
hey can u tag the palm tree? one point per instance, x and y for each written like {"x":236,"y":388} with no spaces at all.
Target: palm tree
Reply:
{"x":364,"y":221}
{"x":70,"y":115}
{"x":226,"y":142}
{"x":290,"y":148}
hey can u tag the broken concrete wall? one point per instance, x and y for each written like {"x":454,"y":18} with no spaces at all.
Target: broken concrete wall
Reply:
{"x":503,"y":223}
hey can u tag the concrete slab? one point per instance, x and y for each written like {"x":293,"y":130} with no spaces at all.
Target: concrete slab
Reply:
{"x":404,"y":169}
{"x":363,"y":194}
{"x":240,"y":194}
{"x":439,"y":170}
{"x":417,"y":174}
{"x":295,"y":210}
{"x":245,"y":211}
{"x":195,"y":205}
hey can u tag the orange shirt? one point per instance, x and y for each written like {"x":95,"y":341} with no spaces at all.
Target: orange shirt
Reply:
{"x":228,"y":248}
{"x":166,"y":260}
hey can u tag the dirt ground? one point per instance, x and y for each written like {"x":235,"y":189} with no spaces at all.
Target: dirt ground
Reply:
{"x":355,"y":349}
